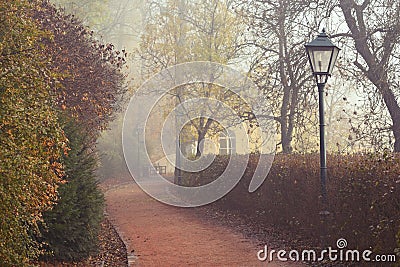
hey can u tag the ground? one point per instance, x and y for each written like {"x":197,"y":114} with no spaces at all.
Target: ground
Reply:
{"x":160,"y":235}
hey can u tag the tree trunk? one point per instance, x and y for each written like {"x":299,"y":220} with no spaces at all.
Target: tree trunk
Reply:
{"x":201,"y":134}
{"x":200,"y":144}
{"x":396,"y":132}
{"x":381,"y":82}
{"x":286,"y":144}
{"x":290,"y":92}
{"x":375,"y":69}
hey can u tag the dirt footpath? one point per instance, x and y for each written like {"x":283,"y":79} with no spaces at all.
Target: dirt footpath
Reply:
{"x":162,"y":235}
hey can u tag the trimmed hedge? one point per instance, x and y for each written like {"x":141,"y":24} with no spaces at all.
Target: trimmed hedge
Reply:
{"x":363,"y":196}
{"x":31,"y":139}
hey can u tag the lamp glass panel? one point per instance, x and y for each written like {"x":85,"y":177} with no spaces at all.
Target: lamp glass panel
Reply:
{"x":334,"y":57}
{"x":320,"y":58}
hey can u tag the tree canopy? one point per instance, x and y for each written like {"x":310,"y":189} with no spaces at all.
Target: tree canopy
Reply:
{"x":91,"y":84}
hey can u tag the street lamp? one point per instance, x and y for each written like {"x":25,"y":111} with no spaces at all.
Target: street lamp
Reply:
{"x":322,"y":54}
{"x":139,"y":133}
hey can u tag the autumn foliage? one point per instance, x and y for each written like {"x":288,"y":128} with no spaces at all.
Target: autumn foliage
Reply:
{"x":49,"y":63}
{"x":363,"y":195}
{"x":90,"y":77}
{"x":31,"y":139}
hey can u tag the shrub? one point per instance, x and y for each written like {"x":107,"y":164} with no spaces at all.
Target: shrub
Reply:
{"x":398,"y":248}
{"x":34,"y":61}
{"x":71,"y":227}
{"x":363,"y":195}
{"x":31,"y":140}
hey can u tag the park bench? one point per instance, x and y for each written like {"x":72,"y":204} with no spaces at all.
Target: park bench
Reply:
{"x":160,"y":169}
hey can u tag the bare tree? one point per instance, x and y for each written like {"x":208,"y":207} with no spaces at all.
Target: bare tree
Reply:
{"x":114,"y":20}
{"x":374,"y":33}
{"x":277,"y":33}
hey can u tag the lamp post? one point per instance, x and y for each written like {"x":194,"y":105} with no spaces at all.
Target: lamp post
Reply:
{"x":178,"y":171}
{"x":139,"y":132}
{"x":322,"y":54}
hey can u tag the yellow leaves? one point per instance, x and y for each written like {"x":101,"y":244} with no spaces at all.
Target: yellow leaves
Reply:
{"x":85,"y":96}
{"x":48,"y":143}
{"x":30,"y":136}
{"x":65,"y":150}
{"x":58,"y":169}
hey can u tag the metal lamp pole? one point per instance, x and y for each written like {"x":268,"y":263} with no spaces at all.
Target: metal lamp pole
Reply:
{"x":178,"y":171}
{"x":322,"y":144}
{"x":139,"y":132}
{"x":322,"y":55}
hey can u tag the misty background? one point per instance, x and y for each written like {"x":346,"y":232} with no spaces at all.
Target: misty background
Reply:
{"x":264,"y":40}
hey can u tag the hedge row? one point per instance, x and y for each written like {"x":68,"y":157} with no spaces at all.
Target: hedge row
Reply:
{"x":51,"y":67}
{"x":363,"y":197}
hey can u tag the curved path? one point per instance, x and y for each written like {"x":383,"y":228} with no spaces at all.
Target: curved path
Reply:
{"x":161,"y":235}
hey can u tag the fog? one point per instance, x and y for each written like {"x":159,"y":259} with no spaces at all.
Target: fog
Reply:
{"x":127,"y":23}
